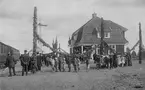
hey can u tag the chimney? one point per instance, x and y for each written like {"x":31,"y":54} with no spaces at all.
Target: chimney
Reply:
{"x":94,"y":15}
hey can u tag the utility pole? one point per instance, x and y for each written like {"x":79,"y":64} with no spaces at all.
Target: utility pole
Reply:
{"x":140,"y":44}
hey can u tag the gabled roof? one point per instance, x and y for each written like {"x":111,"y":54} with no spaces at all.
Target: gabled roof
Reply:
{"x":85,"y":34}
{"x":9,"y":46}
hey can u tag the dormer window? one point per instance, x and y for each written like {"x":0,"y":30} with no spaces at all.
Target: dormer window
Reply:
{"x":99,"y":36}
{"x":106,"y":35}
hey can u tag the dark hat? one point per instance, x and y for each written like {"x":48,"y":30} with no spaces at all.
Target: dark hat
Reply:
{"x":25,"y":50}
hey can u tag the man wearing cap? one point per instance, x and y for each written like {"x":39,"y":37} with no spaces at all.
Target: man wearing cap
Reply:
{"x":10,"y":63}
{"x":25,"y":62}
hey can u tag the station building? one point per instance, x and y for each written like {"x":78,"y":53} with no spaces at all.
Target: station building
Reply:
{"x":89,"y":34}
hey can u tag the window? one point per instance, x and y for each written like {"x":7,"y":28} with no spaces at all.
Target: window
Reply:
{"x":99,"y":36}
{"x":106,"y":35}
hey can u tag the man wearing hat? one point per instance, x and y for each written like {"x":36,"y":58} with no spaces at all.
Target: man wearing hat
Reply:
{"x":25,"y":62}
{"x":10,"y":63}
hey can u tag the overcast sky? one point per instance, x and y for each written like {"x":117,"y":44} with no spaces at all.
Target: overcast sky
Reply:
{"x":63,"y":17}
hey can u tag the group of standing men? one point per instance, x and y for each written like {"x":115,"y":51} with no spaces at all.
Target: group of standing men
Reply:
{"x":57,"y":62}
{"x":30,"y":63}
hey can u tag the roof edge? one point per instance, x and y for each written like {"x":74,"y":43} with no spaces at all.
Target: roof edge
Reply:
{"x":124,"y":29}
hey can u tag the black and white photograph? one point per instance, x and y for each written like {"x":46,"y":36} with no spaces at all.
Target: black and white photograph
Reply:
{"x":72,"y":44}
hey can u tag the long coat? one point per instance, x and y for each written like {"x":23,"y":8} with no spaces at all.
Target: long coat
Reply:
{"x":25,"y":59}
{"x":10,"y":61}
{"x":39,"y":60}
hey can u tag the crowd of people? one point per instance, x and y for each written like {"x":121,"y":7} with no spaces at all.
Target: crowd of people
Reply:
{"x":112,"y":60}
{"x":60,"y":62}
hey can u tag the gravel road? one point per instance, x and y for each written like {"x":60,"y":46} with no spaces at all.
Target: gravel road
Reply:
{"x":126,"y":78}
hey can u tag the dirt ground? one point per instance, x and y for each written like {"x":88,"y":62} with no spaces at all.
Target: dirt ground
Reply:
{"x":126,"y":78}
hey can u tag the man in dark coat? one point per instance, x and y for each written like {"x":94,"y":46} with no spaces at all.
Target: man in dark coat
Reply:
{"x":129,"y":59}
{"x":73,"y":61}
{"x":39,"y":61}
{"x":111,"y":61}
{"x":60,"y":62}
{"x":68,"y":62}
{"x":10,"y":63}
{"x":25,"y":62}
{"x":115,"y":60}
{"x":45,"y":61}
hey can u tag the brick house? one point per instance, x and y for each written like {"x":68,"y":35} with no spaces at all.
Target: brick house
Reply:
{"x":89,"y":34}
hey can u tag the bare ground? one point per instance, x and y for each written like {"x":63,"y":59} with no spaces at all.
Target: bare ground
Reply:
{"x":126,"y":78}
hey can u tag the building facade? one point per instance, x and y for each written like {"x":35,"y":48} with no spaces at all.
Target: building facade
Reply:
{"x":88,"y":35}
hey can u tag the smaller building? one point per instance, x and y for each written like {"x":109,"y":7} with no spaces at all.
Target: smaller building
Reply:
{"x":88,"y":35}
{"x":5,"y":49}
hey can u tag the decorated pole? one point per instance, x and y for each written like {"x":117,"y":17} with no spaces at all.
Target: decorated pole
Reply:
{"x":34,"y":31}
{"x":35,"y":35}
{"x":140,"y":44}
